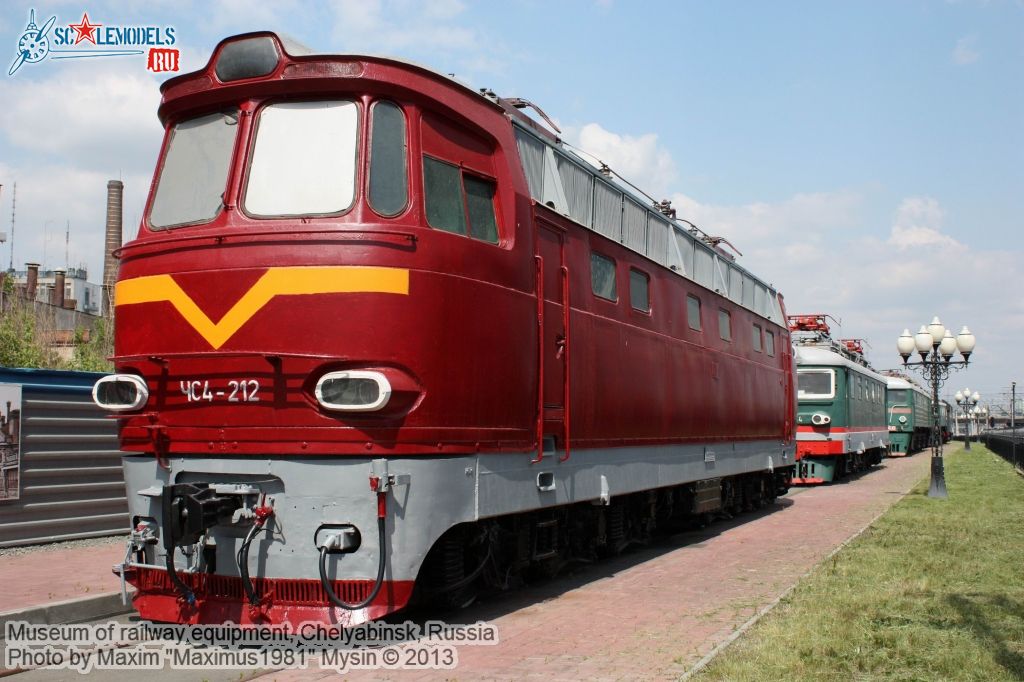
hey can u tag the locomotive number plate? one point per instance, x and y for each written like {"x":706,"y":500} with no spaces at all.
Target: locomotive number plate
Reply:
{"x":236,"y":391}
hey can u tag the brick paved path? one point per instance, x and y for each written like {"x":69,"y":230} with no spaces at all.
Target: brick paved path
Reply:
{"x":654,"y":613}
{"x":54,"y":573}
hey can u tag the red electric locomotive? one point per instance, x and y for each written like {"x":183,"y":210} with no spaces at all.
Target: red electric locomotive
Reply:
{"x":381,"y":333}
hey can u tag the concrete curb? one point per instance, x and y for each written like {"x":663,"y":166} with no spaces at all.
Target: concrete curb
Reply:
{"x":722,"y":646}
{"x":69,"y":611}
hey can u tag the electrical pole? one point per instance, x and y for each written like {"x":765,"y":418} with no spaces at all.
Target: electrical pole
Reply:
{"x":1013,"y":420}
{"x":14,"y":201}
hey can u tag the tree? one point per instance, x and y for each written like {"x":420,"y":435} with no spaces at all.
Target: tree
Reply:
{"x":93,"y":349}
{"x":20,"y":343}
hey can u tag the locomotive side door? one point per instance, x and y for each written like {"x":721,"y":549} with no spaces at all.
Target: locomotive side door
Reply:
{"x":554,"y":329}
{"x":789,"y":375}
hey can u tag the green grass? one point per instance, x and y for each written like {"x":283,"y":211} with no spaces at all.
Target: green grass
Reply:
{"x":933,"y":590}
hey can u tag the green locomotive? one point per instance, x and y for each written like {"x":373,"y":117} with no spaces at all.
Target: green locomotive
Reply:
{"x":909,"y":410}
{"x":841,"y":423}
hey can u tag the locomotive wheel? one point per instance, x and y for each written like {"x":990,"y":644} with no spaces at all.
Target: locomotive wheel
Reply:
{"x":445,"y":573}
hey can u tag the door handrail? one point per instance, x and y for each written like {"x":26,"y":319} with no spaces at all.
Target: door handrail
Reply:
{"x":540,"y":360}
{"x":565,"y":360}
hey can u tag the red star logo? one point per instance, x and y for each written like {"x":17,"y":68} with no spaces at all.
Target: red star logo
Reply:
{"x":85,"y":30}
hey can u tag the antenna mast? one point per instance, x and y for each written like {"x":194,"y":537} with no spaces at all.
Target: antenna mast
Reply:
{"x":14,"y":201}
{"x":67,"y":243}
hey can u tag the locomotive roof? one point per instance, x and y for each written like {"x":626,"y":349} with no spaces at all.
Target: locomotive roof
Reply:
{"x":903,"y":382}
{"x":297,"y":51}
{"x":826,"y":357}
{"x":244,"y":56}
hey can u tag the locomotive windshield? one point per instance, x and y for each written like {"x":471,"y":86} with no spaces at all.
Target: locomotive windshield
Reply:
{"x":304,"y":159}
{"x":898,"y":395}
{"x":816,"y":383}
{"x":195,"y":171}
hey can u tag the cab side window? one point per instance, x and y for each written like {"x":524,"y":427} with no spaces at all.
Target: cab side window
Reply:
{"x":388,"y":183}
{"x":460,"y":192}
{"x":458,"y":202}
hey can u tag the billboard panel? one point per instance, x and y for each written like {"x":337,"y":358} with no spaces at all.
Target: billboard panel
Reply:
{"x":10,"y":441}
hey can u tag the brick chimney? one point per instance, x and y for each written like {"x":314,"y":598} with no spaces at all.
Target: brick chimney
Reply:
{"x":115,"y":200}
{"x":31,"y":280}
{"x":57,"y":295}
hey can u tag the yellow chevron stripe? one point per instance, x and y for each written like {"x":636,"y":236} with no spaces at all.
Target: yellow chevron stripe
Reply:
{"x":274,"y":282}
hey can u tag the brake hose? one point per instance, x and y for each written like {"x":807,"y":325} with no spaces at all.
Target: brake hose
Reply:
{"x":184,"y":590}
{"x":381,"y":562}
{"x":262,"y":512}
{"x":242,"y":558}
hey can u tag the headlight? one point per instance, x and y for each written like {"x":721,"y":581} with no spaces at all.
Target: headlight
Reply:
{"x":903,"y":419}
{"x":248,"y":58}
{"x":820,"y":419}
{"x":120,"y":392}
{"x":353,"y":391}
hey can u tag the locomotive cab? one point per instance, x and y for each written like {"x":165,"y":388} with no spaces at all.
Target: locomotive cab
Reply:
{"x":294,"y":310}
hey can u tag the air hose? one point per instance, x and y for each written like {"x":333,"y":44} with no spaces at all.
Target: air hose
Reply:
{"x":381,"y":562}
{"x":184,"y":590}
{"x":242,"y":558}
{"x":263,"y":512}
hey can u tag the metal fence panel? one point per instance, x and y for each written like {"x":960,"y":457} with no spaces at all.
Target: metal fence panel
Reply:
{"x":1007,"y":444}
{"x":72,"y":484}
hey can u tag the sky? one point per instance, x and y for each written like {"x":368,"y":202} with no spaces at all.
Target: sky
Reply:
{"x":867,"y":158}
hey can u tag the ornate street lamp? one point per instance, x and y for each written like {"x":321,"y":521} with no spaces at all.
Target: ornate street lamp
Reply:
{"x":968,"y":403}
{"x":936,"y":345}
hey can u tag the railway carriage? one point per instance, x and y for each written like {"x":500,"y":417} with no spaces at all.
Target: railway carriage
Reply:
{"x":841,"y":425}
{"x":946,"y":421}
{"x":909,"y":410}
{"x":381,"y":334}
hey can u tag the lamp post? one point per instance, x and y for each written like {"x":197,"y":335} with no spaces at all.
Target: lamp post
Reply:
{"x":968,"y":402}
{"x":936,"y":345}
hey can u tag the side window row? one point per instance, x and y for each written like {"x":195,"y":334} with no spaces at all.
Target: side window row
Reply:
{"x":867,"y":390}
{"x":764,"y":340}
{"x":602,"y":282}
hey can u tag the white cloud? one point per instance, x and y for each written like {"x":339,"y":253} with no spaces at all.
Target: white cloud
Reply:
{"x":809,"y":215}
{"x":917,"y":224}
{"x":96,"y":117}
{"x":965,"y":52}
{"x":636,"y":158}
